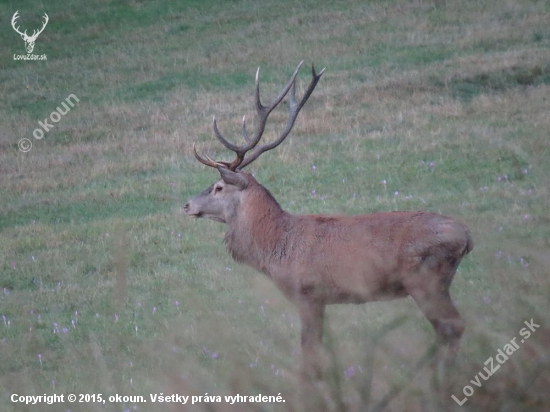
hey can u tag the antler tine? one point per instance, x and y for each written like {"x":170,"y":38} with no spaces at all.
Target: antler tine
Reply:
{"x":208,"y":161}
{"x":293,"y":114}
{"x":312,"y":84}
{"x":222,"y":139}
{"x":245,"y":133}
{"x":257,"y":101}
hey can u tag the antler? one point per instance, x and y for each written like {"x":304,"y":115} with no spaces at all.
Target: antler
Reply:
{"x":263,"y":113}
{"x":13,"y":19}
{"x":35,"y":32}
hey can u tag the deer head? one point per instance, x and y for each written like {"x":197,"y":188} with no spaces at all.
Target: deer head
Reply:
{"x":222,"y":200}
{"x":29,"y":40}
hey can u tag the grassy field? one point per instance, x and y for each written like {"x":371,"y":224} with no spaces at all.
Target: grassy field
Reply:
{"x":107,"y":287}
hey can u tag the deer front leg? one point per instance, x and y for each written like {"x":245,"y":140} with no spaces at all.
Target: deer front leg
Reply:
{"x":311,"y":315}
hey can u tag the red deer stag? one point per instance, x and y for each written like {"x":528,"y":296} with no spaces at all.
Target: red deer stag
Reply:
{"x":316,"y":260}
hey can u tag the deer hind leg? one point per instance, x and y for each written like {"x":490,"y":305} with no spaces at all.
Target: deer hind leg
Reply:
{"x":429,"y":287}
{"x":430,"y":290}
{"x":446,"y":321}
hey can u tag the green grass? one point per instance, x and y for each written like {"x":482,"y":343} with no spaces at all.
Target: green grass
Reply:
{"x":92,"y":230}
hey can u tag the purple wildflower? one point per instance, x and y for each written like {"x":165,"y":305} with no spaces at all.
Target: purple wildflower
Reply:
{"x":349,"y":372}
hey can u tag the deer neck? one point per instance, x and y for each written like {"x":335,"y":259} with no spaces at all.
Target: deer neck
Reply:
{"x":256,"y":233}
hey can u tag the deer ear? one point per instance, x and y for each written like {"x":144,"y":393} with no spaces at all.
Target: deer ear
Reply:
{"x":233,"y":178}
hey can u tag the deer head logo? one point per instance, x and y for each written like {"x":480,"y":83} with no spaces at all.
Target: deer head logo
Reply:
{"x":29,"y":40}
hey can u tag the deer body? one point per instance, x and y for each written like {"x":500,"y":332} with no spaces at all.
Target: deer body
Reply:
{"x":316,"y":260}
{"x":340,"y":259}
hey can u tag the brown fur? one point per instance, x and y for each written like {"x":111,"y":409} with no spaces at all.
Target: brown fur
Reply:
{"x":317,"y":260}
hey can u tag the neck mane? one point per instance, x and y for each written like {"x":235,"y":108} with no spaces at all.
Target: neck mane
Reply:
{"x":256,"y":234}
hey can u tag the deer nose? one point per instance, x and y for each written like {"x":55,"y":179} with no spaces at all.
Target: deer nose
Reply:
{"x":186,"y":207}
